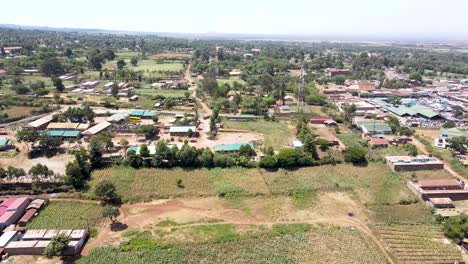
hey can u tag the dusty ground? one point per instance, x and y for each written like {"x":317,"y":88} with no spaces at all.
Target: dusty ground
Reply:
{"x":331,"y":208}
{"x":56,"y":163}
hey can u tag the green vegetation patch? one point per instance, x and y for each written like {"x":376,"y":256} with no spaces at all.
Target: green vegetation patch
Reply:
{"x":67,"y":215}
{"x":276,"y":134}
{"x":283,"y":244}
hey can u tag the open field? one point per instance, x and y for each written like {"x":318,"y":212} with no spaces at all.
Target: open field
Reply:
{"x":147,"y":65}
{"x":418,"y":244}
{"x":171,"y":56}
{"x":127,"y":54}
{"x":231,"y":81}
{"x":276,"y":134}
{"x":374,"y":184}
{"x":67,"y":215}
{"x":165,"y":93}
{"x":19,"y":111}
{"x":281,"y":244}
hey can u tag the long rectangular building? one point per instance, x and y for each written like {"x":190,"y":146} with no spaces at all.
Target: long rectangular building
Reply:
{"x":409,"y":163}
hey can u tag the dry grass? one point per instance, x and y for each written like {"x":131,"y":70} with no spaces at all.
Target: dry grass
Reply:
{"x":275,"y":134}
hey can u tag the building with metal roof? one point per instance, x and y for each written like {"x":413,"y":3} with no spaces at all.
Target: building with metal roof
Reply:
{"x":98,"y":128}
{"x":62,"y":134}
{"x":374,"y":127}
{"x":449,"y":133}
{"x":117,"y":117}
{"x":40,"y":123}
{"x":182,"y":130}
{"x":231,"y":148}
{"x":4,"y":143}
{"x":243,"y":117}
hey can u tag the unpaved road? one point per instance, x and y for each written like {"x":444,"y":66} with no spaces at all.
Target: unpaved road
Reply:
{"x":422,"y":148}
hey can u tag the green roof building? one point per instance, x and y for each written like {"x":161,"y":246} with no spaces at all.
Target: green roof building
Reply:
{"x":449,"y":133}
{"x":4,"y":143}
{"x":231,"y":148}
{"x":138,"y":113}
{"x":371,"y":127}
{"x":241,"y":117}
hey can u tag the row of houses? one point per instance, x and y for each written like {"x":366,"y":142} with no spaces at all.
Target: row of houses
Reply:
{"x":34,"y":242}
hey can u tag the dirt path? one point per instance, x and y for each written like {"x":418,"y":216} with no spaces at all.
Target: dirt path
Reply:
{"x":202,"y":211}
{"x":422,"y":148}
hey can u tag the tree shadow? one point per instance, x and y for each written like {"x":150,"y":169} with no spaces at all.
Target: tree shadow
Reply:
{"x":118,"y":226}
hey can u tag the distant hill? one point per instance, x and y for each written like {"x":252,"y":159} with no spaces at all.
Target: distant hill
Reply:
{"x":403,"y":39}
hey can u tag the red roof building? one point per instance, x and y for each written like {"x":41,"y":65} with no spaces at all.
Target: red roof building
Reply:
{"x":319,"y":120}
{"x":379,"y":142}
{"x":2,"y":72}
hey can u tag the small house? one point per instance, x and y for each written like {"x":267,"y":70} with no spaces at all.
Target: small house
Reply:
{"x":183,"y":131}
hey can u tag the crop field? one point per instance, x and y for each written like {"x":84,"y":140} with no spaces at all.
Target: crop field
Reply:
{"x":375,"y":184}
{"x":67,"y":215}
{"x":145,"y":184}
{"x":165,"y":93}
{"x":148,"y":66}
{"x":127,"y":54}
{"x":322,"y":244}
{"x":171,"y":56}
{"x":418,"y":244}
{"x":276,"y":134}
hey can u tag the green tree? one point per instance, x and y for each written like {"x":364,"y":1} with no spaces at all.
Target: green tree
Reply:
{"x":134,"y":160}
{"x":459,"y":144}
{"x":287,"y":158}
{"x":58,"y":84}
{"x":51,"y":66}
{"x":39,"y":172}
{"x":246,"y":151}
{"x":357,"y":154}
{"x":121,"y":64}
{"x":110,"y":212}
{"x":106,"y":191}
{"x":268,"y":162}
{"x":27,"y":136}
{"x":449,"y":124}
{"x":187,"y":156}
{"x":79,"y":170}
{"x":115,"y":90}
{"x":150,"y":131}
{"x":57,"y":246}
{"x":50,"y":143}
{"x":134,"y":62}
{"x":144,"y":151}
{"x":411,"y":149}
{"x":206,"y":158}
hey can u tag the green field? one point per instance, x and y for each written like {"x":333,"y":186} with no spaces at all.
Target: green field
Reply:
{"x":375,"y":185}
{"x":165,"y":93}
{"x":276,"y":134}
{"x":126,"y":54}
{"x":67,"y":215}
{"x":282,"y":244}
{"x":231,"y":81}
{"x":418,"y":244}
{"x":147,"y":66}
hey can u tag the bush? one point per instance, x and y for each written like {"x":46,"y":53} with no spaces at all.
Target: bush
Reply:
{"x":268,"y":162}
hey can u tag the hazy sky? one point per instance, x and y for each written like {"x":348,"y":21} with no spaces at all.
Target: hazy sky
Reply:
{"x":311,"y":17}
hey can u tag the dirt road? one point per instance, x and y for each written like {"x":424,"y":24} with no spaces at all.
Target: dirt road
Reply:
{"x":422,"y":148}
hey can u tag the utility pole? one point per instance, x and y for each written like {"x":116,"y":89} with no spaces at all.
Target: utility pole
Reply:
{"x":300,"y":93}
